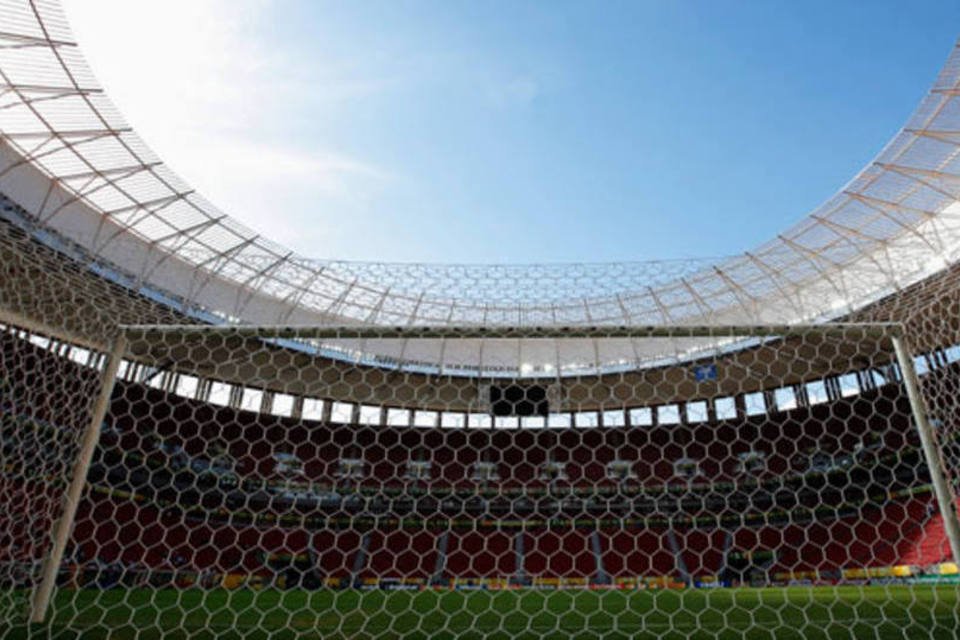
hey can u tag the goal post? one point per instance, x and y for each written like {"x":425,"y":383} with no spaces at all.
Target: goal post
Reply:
{"x":220,"y":464}
{"x":78,"y":478}
{"x":946,"y":499}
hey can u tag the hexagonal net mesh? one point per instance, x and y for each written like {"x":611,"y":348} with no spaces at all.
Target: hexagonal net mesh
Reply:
{"x":755,"y":482}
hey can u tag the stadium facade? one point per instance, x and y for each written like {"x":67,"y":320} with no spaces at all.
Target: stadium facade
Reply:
{"x":191,"y":410}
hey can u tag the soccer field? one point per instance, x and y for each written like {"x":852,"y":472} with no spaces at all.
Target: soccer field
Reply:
{"x":794,"y":613}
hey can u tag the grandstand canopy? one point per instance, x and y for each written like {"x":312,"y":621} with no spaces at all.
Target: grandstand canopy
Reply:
{"x":71,"y":161}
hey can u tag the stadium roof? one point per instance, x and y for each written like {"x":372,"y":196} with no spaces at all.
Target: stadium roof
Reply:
{"x":73,"y":163}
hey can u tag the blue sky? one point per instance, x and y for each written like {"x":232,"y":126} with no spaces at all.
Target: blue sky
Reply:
{"x":515,"y":131}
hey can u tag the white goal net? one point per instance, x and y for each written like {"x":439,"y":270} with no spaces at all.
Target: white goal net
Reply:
{"x":669,"y":482}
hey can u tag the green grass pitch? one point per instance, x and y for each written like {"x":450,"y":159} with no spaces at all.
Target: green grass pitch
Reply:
{"x":822,"y":613}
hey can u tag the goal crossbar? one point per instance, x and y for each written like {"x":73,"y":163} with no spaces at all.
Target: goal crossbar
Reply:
{"x":362,"y":332}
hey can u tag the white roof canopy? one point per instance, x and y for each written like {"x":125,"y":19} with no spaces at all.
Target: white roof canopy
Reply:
{"x":71,"y":161}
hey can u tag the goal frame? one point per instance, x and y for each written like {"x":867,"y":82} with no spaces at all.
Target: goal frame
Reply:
{"x":895,"y":332}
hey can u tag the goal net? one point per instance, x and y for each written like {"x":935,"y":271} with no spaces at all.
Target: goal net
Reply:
{"x":369,"y":482}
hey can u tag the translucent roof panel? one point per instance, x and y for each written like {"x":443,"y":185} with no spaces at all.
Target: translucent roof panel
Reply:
{"x":69,"y":159}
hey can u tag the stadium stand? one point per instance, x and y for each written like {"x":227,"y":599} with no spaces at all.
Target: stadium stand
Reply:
{"x":204,"y":432}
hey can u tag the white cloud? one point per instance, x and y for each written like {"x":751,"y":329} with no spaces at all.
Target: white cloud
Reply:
{"x":213,"y":97}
